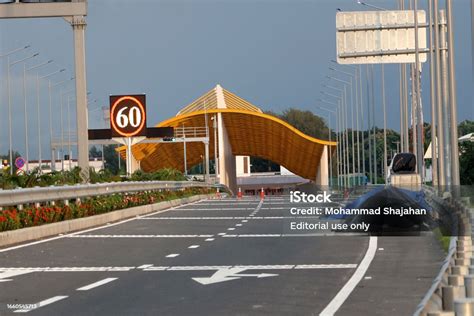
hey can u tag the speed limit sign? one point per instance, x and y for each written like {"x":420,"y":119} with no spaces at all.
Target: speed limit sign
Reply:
{"x":128,"y":115}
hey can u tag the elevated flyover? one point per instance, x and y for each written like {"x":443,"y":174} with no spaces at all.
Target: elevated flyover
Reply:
{"x":242,"y":129}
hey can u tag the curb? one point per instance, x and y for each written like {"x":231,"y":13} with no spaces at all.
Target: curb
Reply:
{"x":31,"y":233}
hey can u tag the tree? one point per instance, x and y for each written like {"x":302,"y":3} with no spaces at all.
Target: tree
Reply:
{"x":305,"y":121}
{"x":112,"y":160}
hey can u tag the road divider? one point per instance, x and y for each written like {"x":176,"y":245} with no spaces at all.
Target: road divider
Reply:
{"x":12,"y":237}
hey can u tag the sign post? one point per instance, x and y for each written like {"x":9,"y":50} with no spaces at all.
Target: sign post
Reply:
{"x":128,"y":121}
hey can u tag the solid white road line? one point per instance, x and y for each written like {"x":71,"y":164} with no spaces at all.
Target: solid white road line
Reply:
{"x":41,"y":304}
{"x":344,"y":293}
{"x":96,"y":284}
{"x":193,"y":246}
{"x":66,"y":269}
{"x":172,"y":255}
{"x":254,"y":267}
{"x":141,"y":236}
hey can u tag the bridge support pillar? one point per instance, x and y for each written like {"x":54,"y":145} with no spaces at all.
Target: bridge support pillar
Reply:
{"x":322,"y":174}
{"x":227,"y":168}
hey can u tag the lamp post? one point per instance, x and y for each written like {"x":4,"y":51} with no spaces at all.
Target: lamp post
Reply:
{"x":346,"y":111}
{"x":40,"y":155}
{"x":371,"y":6}
{"x":25,"y":70}
{"x":51,"y":86}
{"x":62,"y":94}
{"x":216,"y":161}
{"x":353,"y":77}
{"x":344,"y":152}
{"x":69,"y":127}
{"x":330,"y":138}
{"x":9,"y":65}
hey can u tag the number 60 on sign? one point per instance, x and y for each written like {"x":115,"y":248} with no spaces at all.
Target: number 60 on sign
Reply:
{"x":128,"y":115}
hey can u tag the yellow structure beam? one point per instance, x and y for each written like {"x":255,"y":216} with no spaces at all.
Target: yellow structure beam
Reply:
{"x":251,"y":133}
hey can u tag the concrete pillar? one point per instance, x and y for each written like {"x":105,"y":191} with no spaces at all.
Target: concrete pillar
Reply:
{"x":79,"y":25}
{"x":227,"y":168}
{"x":322,"y":174}
{"x":135,"y":164}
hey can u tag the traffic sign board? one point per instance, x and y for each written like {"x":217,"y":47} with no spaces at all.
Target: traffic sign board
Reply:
{"x":128,"y":115}
{"x":19,"y":162}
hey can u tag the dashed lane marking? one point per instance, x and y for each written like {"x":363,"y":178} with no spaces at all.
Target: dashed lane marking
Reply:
{"x":172,"y":255}
{"x":96,"y":284}
{"x":193,"y":246}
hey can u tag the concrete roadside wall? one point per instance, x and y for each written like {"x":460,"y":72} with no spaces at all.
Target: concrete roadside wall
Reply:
{"x":31,"y":233}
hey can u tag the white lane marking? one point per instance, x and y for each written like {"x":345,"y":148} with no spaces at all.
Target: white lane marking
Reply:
{"x":83,"y":231}
{"x":253,"y":267}
{"x":141,"y":236}
{"x":96,"y":284}
{"x":238,"y":225}
{"x":221,"y":234}
{"x":344,"y":293}
{"x":381,"y":249}
{"x":172,"y":255}
{"x":215,"y":209}
{"x":144,"y":266}
{"x":193,"y":246}
{"x":41,"y":304}
{"x":65,"y":269}
{"x":209,"y":239}
{"x":231,"y":228}
{"x":291,"y":235}
{"x":246,"y":218}
{"x":244,"y":221}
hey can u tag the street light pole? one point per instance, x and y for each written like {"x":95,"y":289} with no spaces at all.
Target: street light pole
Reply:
{"x":453,"y":98}
{"x":9,"y":65}
{"x":344,"y":153}
{"x":53,"y":158}
{"x":338,"y":128}
{"x":25,"y":70}
{"x":353,"y":104}
{"x":330,"y":139}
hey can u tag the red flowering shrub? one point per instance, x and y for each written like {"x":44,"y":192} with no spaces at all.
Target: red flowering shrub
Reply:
{"x":35,"y":216}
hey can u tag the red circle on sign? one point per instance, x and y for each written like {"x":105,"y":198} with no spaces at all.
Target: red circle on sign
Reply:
{"x":116,"y":106}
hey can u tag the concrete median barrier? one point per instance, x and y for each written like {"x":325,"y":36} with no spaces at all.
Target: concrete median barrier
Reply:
{"x":32,"y":233}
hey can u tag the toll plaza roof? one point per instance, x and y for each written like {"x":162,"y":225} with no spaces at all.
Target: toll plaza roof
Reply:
{"x":250,"y":133}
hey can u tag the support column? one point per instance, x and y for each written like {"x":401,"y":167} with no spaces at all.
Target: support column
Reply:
{"x":227,"y":169}
{"x":78,"y":25}
{"x":322,"y":174}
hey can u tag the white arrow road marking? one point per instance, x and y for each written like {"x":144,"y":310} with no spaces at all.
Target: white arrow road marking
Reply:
{"x":223,"y":275}
{"x":5,"y":275}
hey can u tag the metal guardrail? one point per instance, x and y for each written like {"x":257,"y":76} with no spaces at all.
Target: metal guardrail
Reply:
{"x":69,"y":192}
{"x":452,"y":291}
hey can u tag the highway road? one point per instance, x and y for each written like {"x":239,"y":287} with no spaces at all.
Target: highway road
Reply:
{"x":217,"y":257}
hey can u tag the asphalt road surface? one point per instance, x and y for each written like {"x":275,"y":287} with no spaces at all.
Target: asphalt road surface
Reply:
{"x":217,"y":257}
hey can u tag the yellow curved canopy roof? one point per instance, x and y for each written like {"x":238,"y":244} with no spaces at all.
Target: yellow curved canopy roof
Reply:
{"x":250,"y":133}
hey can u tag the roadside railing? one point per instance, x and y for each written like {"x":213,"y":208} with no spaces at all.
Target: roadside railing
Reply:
{"x":37,"y":195}
{"x":452,"y":291}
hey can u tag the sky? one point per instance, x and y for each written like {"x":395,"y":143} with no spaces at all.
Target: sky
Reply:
{"x":273,"y":53}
